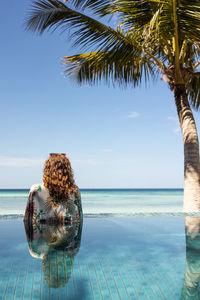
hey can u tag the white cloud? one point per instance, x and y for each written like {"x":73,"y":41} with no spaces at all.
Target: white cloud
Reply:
{"x":132,"y":115}
{"x":6,"y":161}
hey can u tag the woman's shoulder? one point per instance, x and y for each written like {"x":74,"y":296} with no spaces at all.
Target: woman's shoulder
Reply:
{"x":36,"y":187}
{"x":40,"y":188}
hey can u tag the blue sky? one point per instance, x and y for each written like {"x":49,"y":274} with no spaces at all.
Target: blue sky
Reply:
{"x":119,"y":138}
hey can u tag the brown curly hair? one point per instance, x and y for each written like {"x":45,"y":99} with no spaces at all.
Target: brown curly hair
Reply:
{"x":58,"y":177}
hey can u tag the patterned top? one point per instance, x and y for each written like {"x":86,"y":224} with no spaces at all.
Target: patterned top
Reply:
{"x":42,"y":208}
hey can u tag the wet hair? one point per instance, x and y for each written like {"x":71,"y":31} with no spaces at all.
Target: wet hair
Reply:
{"x":58,"y":177}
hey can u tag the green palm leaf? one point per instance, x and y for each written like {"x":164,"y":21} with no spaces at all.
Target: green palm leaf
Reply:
{"x":193,"y":89}
{"x":97,"y":6}
{"x":87,"y":31}
{"x":94,"y":66}
{"x":143,"y":39}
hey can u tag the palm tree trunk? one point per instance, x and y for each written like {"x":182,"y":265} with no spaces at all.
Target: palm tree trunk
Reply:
{"x":191,"y":151}
{"x":190,"y":288}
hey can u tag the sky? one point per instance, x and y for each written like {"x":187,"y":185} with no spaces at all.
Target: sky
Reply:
{"x":114,"y":137}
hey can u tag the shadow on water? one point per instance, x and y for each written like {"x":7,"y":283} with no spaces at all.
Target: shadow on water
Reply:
{"x":56,"y":245}
{"x":191,"y":284}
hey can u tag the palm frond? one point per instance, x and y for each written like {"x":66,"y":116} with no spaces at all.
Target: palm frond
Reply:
{"x":138,"y":14}
{"x":87,"y":32}
{"x":99,"y":7}
{"x":193,"y":90}
{"x":189,"y":19}
{"x":110,"y":66}
{"x":143,"y":39}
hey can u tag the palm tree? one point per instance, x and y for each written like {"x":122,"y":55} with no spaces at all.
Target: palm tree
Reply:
{"x":153,"y":37}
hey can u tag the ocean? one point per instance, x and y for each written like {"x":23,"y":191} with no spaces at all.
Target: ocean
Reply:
{"x":96,"y":201}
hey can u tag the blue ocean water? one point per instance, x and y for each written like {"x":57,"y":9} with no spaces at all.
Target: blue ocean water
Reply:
{"x":116,"y":258}
{"x":106,"y":200}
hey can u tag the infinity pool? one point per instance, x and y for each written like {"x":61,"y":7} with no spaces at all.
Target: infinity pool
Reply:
{"x":113,"y":258}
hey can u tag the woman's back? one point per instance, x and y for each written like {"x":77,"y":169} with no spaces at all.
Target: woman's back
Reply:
{"x":57,"y":199}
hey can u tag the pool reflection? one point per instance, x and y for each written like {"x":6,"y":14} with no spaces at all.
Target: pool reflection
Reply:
{"x":191,"y":282}
{"x":57,"y":246}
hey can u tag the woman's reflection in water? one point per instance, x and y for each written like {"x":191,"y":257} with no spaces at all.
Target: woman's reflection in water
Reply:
{"x":190,"y":288}
{"x":56,"y":245}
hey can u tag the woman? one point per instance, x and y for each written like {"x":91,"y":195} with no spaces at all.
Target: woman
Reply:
{"x":58,"y":199}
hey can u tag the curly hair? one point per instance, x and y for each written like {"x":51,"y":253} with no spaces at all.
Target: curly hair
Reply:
{"x":58,"y":177}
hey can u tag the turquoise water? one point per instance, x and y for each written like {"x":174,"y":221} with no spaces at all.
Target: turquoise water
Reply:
{"x":115,"y":258}
{"x":106,"y":200}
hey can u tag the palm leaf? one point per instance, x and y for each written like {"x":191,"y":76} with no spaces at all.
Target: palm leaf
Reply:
{"x":143,"y":38}
{"x":87,"y":32}
{"x":99,"y":7}
{"x":193,"y":90}
{"x":189,"y":19}
{"x":51,"y":14}
{"x":111,"y":66}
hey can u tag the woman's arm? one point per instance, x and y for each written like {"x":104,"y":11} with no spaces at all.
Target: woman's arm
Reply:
{"x":30,"y":207}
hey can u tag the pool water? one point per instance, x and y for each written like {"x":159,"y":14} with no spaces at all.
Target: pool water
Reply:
{"x":113,"y":258}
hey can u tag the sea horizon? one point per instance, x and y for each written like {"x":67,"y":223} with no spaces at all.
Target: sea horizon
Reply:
{"x":106,"y":201}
